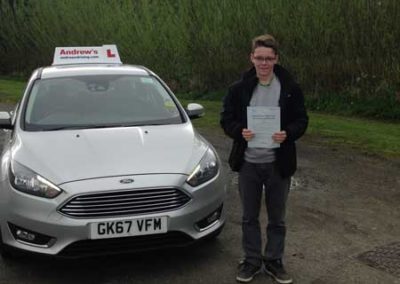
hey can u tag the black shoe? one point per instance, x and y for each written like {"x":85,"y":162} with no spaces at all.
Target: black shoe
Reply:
{"x":247,"y":271}
{"x":276,"y":270}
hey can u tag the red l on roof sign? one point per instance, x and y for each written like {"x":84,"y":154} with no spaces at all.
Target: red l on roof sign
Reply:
{"x":86,"y":54}
{"x":110,"y":54}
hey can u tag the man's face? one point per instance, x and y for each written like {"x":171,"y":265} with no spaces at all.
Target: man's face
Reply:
{"x":264,"y":59}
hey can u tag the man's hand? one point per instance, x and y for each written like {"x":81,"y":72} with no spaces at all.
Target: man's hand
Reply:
{"x":247,"y":134}
{"x":279,"y":137}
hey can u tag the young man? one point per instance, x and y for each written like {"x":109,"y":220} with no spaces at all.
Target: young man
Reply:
{"x":267,"y":84}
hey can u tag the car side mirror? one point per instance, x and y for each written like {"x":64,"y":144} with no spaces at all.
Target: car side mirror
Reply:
{"x":5,"y":120}
{"x":194,"y":110}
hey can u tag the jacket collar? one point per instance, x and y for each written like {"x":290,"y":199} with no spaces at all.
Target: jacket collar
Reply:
{"x":283,"y":75}
{"x":250,"y":80}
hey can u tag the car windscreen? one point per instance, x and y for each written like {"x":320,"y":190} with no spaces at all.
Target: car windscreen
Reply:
{"x":99,"y":101}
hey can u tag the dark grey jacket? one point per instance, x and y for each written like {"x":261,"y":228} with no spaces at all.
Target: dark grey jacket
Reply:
{"x":294,"y":119}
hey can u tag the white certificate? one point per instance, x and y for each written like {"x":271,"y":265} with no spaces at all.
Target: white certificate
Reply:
{"x":264,"y":122}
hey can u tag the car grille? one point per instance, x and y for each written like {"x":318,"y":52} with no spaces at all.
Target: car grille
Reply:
{"x":127,"y":202}
{"x":125,"y":245}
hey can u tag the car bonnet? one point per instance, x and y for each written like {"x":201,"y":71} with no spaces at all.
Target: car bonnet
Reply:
{"x":69,"y":155}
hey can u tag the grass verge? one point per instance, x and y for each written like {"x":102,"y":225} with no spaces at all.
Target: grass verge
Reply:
{"x":10,"y":89}
{"x":374,"y":137}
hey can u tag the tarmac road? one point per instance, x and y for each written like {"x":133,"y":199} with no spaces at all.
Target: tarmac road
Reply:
{"x":343,"y":204}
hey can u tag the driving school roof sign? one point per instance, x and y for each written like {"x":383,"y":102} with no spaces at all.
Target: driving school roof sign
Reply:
{"x":86,"y":54}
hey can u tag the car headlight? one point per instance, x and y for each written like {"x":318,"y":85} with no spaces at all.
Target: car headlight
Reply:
{"x":26,"y":180}
{"x":205,"y":170}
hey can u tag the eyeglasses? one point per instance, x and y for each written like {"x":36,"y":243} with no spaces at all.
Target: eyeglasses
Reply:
{"x":261,"y":59}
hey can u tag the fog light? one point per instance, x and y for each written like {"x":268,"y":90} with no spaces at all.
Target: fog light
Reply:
{"x":25,"y":235}
{"x":210,"y":220}
{"x":30,"y":237}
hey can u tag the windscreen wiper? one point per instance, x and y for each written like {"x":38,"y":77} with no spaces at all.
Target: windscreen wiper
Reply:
{"x":92,"y":126}
{"x":72,"y":127}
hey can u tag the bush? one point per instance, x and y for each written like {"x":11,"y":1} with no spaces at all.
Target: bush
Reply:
{"x":346,"y":47}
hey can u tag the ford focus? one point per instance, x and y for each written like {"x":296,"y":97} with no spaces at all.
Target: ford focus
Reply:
{"x":100,"y":158}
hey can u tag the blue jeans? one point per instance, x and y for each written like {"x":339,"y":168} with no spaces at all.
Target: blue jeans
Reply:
{"x":253,"y":178}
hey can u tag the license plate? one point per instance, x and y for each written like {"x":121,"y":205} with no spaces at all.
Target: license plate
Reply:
{"x":128,"y":227}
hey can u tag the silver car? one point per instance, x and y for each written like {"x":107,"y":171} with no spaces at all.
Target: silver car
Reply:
{"x":102,"y":159}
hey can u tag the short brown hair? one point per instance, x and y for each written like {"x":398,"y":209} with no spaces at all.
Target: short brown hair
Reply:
{"x":265,"y":41}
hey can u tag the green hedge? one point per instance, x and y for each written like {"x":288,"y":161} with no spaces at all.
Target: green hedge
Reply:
{"x":341,"y":46}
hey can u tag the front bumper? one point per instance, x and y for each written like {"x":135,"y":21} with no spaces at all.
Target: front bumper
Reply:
{"x":70,"y":236}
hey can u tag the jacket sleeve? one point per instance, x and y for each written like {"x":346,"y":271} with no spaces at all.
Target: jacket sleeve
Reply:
{"x":298,"y":125}
{"x":229,"y":117}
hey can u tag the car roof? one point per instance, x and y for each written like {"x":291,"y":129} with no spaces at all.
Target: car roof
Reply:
{"x":93,"y":69}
